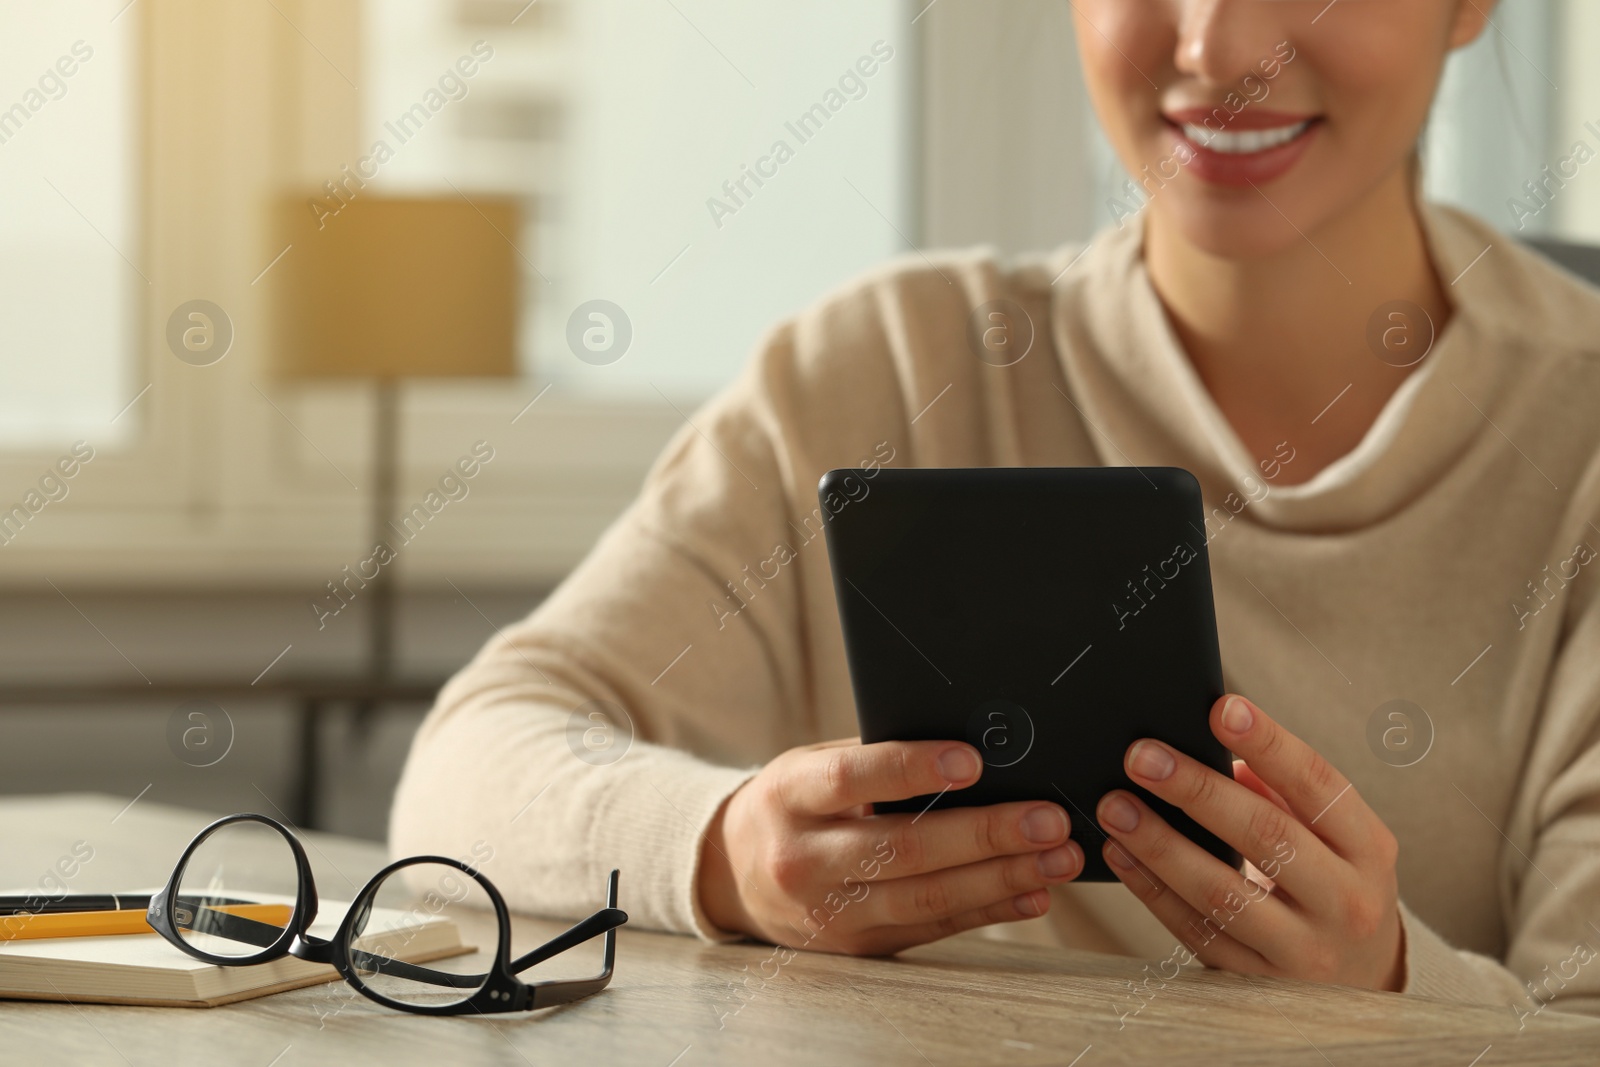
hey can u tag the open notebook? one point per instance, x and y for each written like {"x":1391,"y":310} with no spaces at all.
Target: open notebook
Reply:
{"x":146,"y":969}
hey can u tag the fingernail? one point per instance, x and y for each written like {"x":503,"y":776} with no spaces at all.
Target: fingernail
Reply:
{"x":1236,"y":715}
{"x":1119,"y":814}
{"x":1118,"y":858}
{"x":1150,"y":760}
{"x":958,"y":764}
{"x":1060,"y":862}
{"x":1044,"y":824}
{"x":1028,"y":904}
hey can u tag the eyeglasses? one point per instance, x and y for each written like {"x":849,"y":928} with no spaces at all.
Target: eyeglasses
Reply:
{"x":410,"y":908}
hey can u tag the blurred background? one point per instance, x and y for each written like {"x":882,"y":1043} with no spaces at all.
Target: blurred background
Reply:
{"x":201,"y":202}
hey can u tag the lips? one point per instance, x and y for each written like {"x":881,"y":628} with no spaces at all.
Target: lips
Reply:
{"x":1253,"y":147}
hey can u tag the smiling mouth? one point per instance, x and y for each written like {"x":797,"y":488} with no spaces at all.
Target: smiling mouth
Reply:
{"x":1243,"y":142}
{"x":1255,"y":148}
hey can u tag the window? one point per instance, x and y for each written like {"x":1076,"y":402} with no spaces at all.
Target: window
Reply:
{"x":634,"y":131}
{"x":71,"y":275}
{"x":708,"y":166}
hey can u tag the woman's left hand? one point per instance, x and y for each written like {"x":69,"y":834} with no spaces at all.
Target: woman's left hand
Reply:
{"x":1328,"y":907}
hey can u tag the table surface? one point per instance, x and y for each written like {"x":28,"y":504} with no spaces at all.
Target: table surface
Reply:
{"x":676,"y":1002}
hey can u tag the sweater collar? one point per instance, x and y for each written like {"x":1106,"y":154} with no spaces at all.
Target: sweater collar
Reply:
{"x":1147,"y":405}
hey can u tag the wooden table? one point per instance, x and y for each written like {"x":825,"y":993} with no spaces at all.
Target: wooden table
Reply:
{"x":675,"y":1002}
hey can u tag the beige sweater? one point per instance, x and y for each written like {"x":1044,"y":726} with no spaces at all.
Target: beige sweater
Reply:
{"x":1442,"y":562}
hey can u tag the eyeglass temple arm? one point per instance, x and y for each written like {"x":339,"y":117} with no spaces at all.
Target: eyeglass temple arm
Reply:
{"x":605,"y":921}
{"x":601,"y":922}
{"x":253,"y":932}
{"x":207,"y":920}
{"x":549,"y":994}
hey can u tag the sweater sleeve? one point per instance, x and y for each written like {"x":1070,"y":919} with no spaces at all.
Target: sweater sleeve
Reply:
{"x":1434,"y":968}
{"x":1549,"y":966}
{"x":607,"y":728}
{"x":1550,"y":860}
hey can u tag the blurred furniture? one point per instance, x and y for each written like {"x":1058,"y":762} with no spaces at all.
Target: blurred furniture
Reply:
{"x":81,"y":716}
{"x":379,"y":290}
{"x":310,"y":697}
{"x":678,"y":1002}
{"x":383,"y":289}
{"x":1582,"y":260}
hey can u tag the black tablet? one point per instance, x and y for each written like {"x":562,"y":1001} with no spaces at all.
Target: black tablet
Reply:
{"x":1048,"y":616}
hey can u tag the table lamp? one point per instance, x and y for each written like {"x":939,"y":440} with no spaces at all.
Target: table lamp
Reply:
{"x":388,"y":288}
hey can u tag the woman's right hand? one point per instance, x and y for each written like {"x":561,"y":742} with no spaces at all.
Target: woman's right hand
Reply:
{"x":794,"y":858}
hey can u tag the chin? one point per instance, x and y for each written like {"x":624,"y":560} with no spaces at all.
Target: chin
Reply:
{"x":1227,"y":227}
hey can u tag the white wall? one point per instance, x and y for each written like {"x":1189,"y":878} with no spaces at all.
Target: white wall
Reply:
{"x":1577,"y":105}
{"x":1497,"y":120}
{"x":673,"y":100}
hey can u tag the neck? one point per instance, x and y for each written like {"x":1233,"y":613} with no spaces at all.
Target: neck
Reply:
{"x":1277,"y":339}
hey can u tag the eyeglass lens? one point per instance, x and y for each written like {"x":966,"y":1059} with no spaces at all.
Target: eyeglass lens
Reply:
{"x":429,"y":913}
{"x":237,"y":891}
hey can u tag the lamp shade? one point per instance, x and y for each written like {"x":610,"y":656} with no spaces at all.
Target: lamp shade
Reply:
{"x":398,"y":287}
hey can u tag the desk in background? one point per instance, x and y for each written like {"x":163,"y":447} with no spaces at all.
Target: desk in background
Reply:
{"x":676,"y":1002}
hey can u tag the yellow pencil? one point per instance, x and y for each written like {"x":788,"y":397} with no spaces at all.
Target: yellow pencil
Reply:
{"x":127,"y":921}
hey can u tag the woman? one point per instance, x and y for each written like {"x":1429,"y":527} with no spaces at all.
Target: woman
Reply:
{"x":1404,"y":528}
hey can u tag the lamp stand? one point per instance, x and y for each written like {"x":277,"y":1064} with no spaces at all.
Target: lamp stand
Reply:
{"x":385,"y":465}
{"x":381,"y":591}
{"x":380,"y":608}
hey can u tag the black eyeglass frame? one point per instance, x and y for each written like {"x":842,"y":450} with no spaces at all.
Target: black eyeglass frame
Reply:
{"x":501,"y":990}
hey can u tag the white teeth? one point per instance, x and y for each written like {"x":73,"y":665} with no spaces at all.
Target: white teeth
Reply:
{"x":1243,"y":142}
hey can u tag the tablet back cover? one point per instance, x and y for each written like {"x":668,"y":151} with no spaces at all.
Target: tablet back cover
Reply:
{"x":1048,"y":616}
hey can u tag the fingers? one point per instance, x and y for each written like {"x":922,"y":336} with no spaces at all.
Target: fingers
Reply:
{"x":1259,"y":829}
{"x":1315,"y":791}
{"x":953,"y":837}
{"x":933,"y":898}
{"x":1252,"y":781}
{"x":1202,"y":935}
{"x":1216,"y":892}
{"x":884,"y":940}
{"x":831,"y":779}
